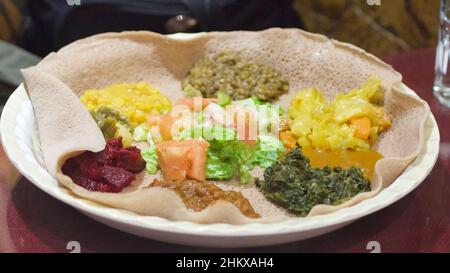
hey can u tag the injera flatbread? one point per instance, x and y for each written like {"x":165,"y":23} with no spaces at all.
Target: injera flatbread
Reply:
{"x":306,"y":60}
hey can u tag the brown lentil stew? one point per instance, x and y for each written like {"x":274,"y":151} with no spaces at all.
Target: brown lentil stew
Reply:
{"x":198,"y":195}
{"x":240,"y":78}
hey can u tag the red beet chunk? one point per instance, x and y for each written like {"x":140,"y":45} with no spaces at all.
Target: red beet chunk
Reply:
{"x":117,"y":177}
{"x":115,"y":143}
{"x":91,"y":169}
{"x":131,"y":160}
{"x":113,"y":146}
{"x":79,"y":178}
{"x":99,"y":157}
{"x":110,"y":170}
{"x":92,"y":185}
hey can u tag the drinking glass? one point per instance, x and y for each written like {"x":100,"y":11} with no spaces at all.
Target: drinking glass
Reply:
{"x":441,"y":86}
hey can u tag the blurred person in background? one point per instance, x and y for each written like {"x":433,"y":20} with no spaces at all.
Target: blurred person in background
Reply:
{"x":55,"y":23}
{"x":12,"y":58}
{"x":43,"y":26}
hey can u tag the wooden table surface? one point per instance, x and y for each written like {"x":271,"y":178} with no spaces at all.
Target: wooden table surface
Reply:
{"x":32,"y":221}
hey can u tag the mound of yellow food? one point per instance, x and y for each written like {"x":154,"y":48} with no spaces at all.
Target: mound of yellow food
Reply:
{"x":351,"y":121}
{"x":135,"y":101}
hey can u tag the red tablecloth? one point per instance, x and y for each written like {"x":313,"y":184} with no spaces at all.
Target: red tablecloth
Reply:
{"x":32,"y":221}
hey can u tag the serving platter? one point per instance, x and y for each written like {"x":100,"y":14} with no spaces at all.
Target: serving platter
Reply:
{"x":18,"y":136}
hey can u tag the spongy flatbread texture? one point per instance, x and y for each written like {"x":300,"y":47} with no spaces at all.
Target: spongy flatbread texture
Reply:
{"x":305,"y":59}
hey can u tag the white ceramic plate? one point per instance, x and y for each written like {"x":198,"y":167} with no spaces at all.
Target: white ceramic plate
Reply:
{"x":18,"y":136}
{"x":17,"y":127}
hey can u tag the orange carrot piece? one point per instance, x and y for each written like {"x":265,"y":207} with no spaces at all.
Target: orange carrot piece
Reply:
{"x":289,"y":139}
{"x":363,"y":126}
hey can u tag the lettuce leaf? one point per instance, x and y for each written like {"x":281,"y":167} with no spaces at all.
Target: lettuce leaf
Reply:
{"x":140,"y":133}
{"x":151,"y":159}
{"x":268,"y":150}
{"x":216,"y":168}
{"x":229,"y":158}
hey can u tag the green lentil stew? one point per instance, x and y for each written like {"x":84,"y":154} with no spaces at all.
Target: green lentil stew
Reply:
{"x":238,"y":77}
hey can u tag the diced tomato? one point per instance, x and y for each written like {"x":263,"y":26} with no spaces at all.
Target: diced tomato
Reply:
{"x":173,"y":160}
{"x":181,"y":159}
{"x":197,"y":158}
{"x":153,"y":120}
{"x":166,"y":125}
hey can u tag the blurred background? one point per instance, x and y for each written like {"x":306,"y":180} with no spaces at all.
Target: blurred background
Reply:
{"x":31,"y":29}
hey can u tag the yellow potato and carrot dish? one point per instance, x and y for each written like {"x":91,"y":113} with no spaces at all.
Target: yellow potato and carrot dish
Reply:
{"x":351,"y":120}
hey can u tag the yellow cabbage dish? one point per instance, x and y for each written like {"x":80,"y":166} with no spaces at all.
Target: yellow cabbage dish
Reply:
{"x":133,"y":100}
{"x":351,"y":121}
